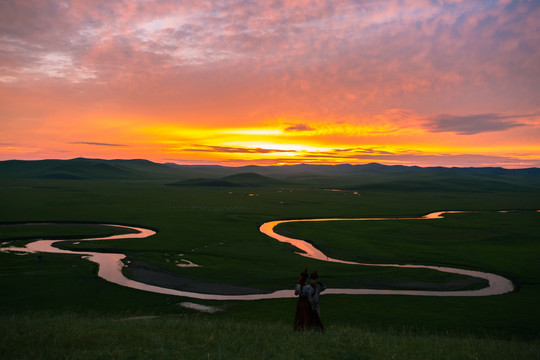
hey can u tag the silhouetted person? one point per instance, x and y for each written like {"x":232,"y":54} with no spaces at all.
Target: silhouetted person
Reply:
{"x":314,"y":289}
{"x":302,"y":320}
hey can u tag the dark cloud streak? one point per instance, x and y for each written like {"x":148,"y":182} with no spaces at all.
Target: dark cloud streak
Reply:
{"x":95,"y":143}
{"x":236,"y":150}
{"x":473,"y":124}
{"x":299,"y":127}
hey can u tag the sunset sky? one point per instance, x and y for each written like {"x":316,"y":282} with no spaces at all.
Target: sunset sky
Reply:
{"x":411,"y":82}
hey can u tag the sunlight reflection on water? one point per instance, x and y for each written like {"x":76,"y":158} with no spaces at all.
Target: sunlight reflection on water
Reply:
{"x":111,"y":265}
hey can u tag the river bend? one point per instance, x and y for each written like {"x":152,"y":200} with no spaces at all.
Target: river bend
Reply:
{"x":111,"y":265}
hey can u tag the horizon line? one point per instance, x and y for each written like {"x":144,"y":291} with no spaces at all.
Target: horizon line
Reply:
{"x":276,"y":165}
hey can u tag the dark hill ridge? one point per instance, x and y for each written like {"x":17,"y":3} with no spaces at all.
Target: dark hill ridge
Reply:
{"x":252,"y":179}
{"x":368,"y":177}
{"x":75,"y":168}
{"x":90,"y":169}
{"x":236,"y":180}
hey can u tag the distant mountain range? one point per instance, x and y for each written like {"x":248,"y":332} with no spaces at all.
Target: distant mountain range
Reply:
{"x":358,"y":177}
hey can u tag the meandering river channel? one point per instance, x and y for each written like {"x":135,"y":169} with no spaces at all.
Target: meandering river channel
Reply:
{"x":110,"y":265}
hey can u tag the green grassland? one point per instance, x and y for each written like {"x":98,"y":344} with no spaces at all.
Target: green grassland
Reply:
{"x":217,"y":228}
{"x":70,"y":336}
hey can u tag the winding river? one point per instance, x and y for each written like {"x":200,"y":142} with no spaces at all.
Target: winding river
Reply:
{"x":110,"y":265}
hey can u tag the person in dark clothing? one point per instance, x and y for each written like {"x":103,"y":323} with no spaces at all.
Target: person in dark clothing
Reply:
{"x":302,"y":320}
{"x":314,"y":290}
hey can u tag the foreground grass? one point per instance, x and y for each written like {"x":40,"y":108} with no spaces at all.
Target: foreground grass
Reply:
{"x":48,"y":336}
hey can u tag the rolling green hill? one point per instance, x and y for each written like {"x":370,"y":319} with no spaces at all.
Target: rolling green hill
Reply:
{"x":236,"y":180}
{"x":252,"y":179}
{"x":369,"y":177}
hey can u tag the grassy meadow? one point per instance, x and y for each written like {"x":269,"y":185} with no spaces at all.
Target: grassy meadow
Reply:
{"x":56,"y":304}
{"x":70,"y":336}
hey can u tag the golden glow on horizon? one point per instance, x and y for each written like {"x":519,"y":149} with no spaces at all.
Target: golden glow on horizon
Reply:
{"x":276,"y":145}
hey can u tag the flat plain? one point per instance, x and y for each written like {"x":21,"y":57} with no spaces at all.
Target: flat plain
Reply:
{"x":215,"y":225}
